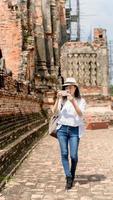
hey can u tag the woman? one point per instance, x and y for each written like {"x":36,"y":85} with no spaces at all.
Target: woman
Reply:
{"x":70,"y":106}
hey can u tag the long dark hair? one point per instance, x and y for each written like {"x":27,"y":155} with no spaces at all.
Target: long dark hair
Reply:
{"x":76,"y":94}
{"x":0,"y":53}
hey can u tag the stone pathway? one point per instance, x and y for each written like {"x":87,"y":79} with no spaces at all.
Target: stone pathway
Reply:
{"x":41,"y":176}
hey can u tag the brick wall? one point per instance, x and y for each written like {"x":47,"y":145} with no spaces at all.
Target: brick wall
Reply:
{"x":91,"y":90}
{"x":15,"y":98}
{"x":18,"y":104}
{"x":10,"y":37}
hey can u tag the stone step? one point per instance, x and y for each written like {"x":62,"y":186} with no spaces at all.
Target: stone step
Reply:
{"x":9,"y":137}
{"x":97,"y":125}
{"x":6,"y":119}
{"x":13,"y":153}
{"x":11,"y":125}
{"x":98,"y":117}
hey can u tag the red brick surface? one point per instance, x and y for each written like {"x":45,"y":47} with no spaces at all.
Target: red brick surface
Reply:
{"x":18,"y":104}
{"x":97,"y":125}
{"x":10,"y":38}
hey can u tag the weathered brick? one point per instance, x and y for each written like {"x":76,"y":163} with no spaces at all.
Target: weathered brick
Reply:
{"x":97,"y":125}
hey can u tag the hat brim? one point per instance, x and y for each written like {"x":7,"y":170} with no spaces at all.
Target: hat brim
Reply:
{"x":66,"y":84}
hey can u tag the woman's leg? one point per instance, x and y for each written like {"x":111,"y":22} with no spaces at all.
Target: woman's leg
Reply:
{"x":74,"y":143}
{"x":62,"y":136}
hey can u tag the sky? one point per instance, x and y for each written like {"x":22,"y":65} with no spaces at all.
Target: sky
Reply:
{"x":96,"y":13}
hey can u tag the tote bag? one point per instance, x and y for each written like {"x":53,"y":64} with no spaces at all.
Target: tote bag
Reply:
{"x":52,"y":125}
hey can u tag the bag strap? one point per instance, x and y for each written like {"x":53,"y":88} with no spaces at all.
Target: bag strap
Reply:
{"x":62,"y":104}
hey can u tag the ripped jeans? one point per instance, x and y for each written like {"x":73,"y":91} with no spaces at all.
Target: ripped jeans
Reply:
{"x":69,"y":136}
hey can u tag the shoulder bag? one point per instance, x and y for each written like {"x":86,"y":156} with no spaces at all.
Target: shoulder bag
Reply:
{"x":53,"y":124}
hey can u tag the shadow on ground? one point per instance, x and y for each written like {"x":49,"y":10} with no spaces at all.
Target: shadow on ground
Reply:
{"x":84,"y":179}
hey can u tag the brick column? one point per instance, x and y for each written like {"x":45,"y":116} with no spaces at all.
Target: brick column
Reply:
{"x":100,"y":40}
{"x":62,"y":18}
{"x":105,"y":71}
{"x":48,"y":35}
{"x":41,"y":69}
{"x":55,"y":34}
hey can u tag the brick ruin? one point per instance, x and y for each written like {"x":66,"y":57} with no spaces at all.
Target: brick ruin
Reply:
{"x":88,"y":63}
{"x":35,"y":58}
{"x":32,"y":33}
{"x":30,"y":38}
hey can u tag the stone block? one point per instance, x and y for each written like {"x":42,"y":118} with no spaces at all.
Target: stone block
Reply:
{"x":97,"y":125}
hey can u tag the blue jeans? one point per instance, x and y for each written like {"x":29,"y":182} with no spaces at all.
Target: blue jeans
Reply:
{"x":68,"y":135}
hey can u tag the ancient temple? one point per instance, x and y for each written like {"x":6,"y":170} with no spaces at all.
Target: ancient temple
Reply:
{"x":38,"y":57}
{"x":31,"y":34}
{"x":35,"y":58}
{"x":33,"y":42}
{"x":88,"y":63}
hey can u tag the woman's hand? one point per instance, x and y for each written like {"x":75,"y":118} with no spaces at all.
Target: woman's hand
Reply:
{"x":74,"y":102}
{"x":70,"y":97}
{"x":59,"y":94}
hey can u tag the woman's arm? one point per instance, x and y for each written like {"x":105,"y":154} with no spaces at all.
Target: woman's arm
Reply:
{"x":78,"y":109}
{"x":55,"y":107}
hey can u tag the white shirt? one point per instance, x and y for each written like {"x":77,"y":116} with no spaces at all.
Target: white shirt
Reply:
{"x":68,"y":115}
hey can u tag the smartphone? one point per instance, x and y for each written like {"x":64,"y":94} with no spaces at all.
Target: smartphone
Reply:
{"x":64,"y":93}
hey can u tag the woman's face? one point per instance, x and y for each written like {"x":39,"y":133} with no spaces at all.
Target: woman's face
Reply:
{"x":71,"y":89}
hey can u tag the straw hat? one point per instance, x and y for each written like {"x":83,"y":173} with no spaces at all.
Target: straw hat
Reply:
{"x":70,"y":81}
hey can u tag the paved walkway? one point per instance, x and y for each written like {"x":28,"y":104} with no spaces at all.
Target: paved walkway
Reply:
{"x":41,"y":175}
